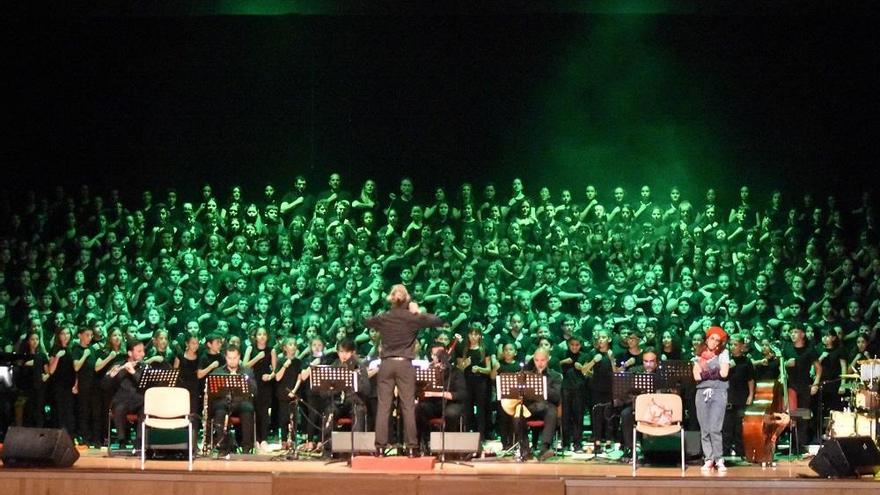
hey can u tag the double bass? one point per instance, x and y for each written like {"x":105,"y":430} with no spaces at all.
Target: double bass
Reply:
{"x":766,"y":418}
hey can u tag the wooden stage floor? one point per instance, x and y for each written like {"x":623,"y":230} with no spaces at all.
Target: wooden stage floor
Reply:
{"x":96,"y":474}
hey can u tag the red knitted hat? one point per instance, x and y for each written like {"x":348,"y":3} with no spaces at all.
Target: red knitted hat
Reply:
{"x":722,"y":335}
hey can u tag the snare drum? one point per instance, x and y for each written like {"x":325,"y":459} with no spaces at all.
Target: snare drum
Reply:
{"x":850,"y":424}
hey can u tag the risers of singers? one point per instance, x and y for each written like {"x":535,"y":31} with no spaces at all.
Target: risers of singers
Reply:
{"x":78,"y":380}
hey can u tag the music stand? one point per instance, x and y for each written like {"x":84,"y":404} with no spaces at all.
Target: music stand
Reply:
{"x":519,"y":387}
{"x":228,"y":387}
{"x":337,"y":379}
{"x":625,"y":385}
{"x":675,"y":374}
{"x":156,"y":377}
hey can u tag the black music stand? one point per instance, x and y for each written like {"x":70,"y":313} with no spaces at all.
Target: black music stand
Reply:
{"x":332,"y":380}
{"x":675,"y":375}
{"x":228,"y":387}
{"x":625,"y":385}
{"x":156,"y":377}
{"x":520,"y":387}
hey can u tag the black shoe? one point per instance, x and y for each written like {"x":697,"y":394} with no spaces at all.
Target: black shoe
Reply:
{"x":413,"y":452}
{"x":380,"y":452}
{"x":546,"y":453}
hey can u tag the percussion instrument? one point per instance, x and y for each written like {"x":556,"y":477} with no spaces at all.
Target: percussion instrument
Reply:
{"x":869,"y":369}
{"x":851,"y":424}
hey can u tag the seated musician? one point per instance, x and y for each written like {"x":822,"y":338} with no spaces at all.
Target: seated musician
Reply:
{"x":431,"y":403}
{"x":344,"y":404}
{"x":123,"y":380}
{"x":540,"y":408}
{"x":241,"y":406}
{"x":650,"y":363}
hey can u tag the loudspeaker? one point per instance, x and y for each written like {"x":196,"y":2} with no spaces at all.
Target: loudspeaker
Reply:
{"x":364,"y":441}
{"x":466,"y":442}
{"x":667,"y":449}
{"x":25,"y":447}
{"x":846,"y":456}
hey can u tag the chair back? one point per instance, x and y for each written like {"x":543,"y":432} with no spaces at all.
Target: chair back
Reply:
{"x":659,"y":410}
{"x":166,"y":402}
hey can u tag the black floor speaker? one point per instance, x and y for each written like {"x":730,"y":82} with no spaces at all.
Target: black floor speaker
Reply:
{"x":667,"y":449}
{"x":846,"y":456}
{"x":38,"y":447}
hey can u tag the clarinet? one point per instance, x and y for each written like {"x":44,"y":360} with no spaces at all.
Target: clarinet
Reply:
{"x":205,"y":446}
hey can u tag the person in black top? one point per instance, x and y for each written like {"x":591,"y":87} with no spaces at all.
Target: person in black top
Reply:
{"x":740,"y":393}
{"x":262,"y":359}
{"x":124,"y":381}
{"x":188,"y":364}
{"x":242,"y":406}
{"x":431,"y":403}
{"x":475,"y":362}
{"x":111,"y":354}
{"x":540,"y":408}
{"x":88,"y":398}
{"x":61,"y":382}
{"x":288,"y":376}
{"x":30,"y":378}
{"x":833,"y":363}
{"x":600,"y":368}
{"x":398,"y":328}
{"x":348,"y":403}
{"x":800,"y":358}
{"x":574,"y":388}
{"x":650,"y":364}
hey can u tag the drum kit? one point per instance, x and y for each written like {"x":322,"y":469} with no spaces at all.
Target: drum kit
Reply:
{"x":860,"y":418}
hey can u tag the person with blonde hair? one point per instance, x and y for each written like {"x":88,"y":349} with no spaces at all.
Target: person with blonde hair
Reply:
{"x":398,"y":328}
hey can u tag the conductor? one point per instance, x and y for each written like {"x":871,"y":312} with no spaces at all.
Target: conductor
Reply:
{"x":398,"y":328}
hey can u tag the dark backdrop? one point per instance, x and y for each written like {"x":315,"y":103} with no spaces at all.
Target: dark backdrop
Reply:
{"x":127,"y":102}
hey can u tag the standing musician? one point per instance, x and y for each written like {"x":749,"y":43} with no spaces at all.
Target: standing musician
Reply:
{"x":431,"y":403}
{"x":243,"y":406}
{"x":124,"y":380}
{"x":398,"y":328}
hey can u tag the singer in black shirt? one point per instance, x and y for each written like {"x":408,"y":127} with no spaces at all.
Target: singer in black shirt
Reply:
{"x":288,"y":377}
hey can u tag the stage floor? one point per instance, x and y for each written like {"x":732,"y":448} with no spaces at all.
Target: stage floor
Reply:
{"x":97,"y":474}
{"x":94,"y":459}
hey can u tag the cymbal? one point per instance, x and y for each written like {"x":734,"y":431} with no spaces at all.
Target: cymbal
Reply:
{"x":852,"y":376}
{"x":869,"y":361}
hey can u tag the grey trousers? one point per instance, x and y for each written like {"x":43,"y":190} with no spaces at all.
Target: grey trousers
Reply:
{"x":711,"y":404}
{"x":401,"y":373}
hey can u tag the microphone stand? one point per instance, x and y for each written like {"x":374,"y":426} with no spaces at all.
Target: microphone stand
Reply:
{"x":447,"y":383}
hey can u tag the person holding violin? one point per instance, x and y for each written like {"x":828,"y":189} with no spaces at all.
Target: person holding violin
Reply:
{"x":711,"y":368}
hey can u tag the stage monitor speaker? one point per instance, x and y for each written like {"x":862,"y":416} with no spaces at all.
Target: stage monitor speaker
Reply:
{"x":846,"y":456}
{"x":364,"y":441}
{"x":666,"y":449}
{"x":456,"y":442}
{"x":43,"y":447}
